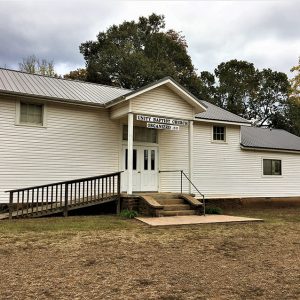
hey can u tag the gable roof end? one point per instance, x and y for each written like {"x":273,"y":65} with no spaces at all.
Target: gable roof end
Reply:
{"x":170,"y":83}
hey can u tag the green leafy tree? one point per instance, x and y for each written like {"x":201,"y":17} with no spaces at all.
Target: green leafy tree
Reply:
{"x":271,"y":99}
{"x":34,"y":65}
{"x":134,"y":54}
{"x":295,"y":84}
{"x":78,"y":74}
{"x":207,"y":90}
{"x":293,"y":113}
{"x":260,"y":96}
{"x":237,"y":86}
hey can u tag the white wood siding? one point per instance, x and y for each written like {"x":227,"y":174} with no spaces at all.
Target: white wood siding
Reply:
{"x":119,"y":110}
{"x":173,"y":155}
{"x":77,"y":142}
{"x":162,"y":101}
{"x":227,"y":171}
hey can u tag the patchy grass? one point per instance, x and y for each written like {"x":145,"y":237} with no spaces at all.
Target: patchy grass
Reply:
{"x":106,"y":257}
{"x":81,"y":223}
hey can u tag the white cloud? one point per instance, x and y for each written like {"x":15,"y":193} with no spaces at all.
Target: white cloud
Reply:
{"x":263,"y":32}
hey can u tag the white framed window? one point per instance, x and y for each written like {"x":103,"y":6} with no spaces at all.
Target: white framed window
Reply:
{"x":272,"y":167}
{"x":141,"y":134}
{"x":219,"y":133}
{"x":30,"y":113}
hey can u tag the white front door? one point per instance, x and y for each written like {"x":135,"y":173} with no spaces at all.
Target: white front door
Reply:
{"x":145,"y":168}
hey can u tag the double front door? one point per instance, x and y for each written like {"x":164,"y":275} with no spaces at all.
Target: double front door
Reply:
{"x":145,"y":168}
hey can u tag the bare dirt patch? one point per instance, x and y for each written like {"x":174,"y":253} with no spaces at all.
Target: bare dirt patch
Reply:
{"x":109,"y":258}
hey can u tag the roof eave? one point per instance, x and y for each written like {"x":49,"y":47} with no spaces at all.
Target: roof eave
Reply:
{"x":248,"y":124}
{"x":255,"y":148}
{"x":115,"y":101}
{"x":52,"y":99}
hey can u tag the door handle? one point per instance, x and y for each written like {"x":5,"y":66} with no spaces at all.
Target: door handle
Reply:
{"x":139,"y":171}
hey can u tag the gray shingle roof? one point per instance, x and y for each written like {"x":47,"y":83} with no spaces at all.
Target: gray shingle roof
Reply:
{"x":42,"y":86}
{"x":276,"y":139}
{"x":219,"y":114}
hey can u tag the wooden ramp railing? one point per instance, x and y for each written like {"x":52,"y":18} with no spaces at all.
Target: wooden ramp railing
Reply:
{"x":64,"y":196}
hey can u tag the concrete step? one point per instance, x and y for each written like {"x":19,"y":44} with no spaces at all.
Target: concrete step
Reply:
{"x":170,"y":201}
{"x":168,"y":213}
{"x":162,"y":196}
{"x":177,"y":207}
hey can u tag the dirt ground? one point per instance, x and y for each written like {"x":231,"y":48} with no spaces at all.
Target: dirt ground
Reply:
{"x":105,"y":257}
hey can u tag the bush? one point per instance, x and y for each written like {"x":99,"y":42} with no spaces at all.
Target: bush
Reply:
{"x":128,"y":214}
{"x":213,"y":211}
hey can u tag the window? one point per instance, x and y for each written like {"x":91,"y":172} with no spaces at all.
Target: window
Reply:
{"x":219,"y":133}
{"x":145,"y":159}
{"x":152,"y":160}
{"x":31,"y":113}
{"x":134,"y":159}
{"x":272,"y":167}
{"x":141,"y":134}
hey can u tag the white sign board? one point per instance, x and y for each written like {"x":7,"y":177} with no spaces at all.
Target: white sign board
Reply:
{"x":162,"y":126}
{"x":161,"y":120}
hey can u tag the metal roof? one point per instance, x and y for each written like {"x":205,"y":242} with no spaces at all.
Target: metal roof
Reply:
{"x":17,"y":82}
{"x":216,"y":113}
{"x":73,"y":91}
{"x":265,"y":138}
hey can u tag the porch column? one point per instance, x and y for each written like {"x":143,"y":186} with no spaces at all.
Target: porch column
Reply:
{"x":130,"y":153}
{"x":191,"y":146}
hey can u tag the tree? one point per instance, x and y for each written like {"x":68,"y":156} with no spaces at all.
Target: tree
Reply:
{"x":295,"y":84}
{"x":133,"y":54}
{"x":34,"y":65}
{"x":260,"y":96}
{"x":78,"y":74}
{"x":293,"y":113}
{"x":293,"y":116}
{"x":237,"y":85}
{"x":208,"y":88}
{"x":271,"y":99}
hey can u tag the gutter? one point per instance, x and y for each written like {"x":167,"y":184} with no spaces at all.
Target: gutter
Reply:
{"x":116,"y":100}
{"x":255,"y":148}
{"x":223,"y":122}
{"x":53,"y":99}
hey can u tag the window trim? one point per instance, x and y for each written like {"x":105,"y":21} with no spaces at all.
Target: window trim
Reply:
{"x":225,"y":133}
{"x":262,"y":167}
{"x":125,"y":141}
{"x":18,"y":114}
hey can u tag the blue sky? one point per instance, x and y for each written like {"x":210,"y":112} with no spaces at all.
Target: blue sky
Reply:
{"x":263,"y":32}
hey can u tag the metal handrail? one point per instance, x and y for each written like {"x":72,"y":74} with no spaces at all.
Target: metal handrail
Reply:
{"x":182,"y":173}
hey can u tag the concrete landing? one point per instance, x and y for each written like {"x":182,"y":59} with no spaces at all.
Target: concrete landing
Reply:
{"x":4,"y":216}
{"x":187,"y":220}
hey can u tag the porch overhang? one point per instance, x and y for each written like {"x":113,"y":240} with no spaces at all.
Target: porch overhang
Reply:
{"x":171,"y":84}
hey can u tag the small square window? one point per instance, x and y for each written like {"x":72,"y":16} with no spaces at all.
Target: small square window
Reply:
{"x":31,"y":113}
{"x":219,"y":133}
{"x":272,"y":167}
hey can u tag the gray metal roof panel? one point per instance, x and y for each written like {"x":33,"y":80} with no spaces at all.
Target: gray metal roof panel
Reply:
{"x":37,"y":85}
{"x":85,"y":92}
{"x":214,"y":112}
{"x":265,"y":138}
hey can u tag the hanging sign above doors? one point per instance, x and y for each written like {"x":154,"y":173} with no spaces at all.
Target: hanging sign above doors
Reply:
{"x":162,"y":126}
{"x":161,"y":120}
